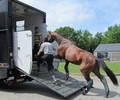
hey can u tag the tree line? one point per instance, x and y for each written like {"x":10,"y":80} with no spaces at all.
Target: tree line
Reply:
{"x":85,"y":40}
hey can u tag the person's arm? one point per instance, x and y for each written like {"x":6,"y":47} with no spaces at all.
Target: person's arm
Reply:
{"x":39,"y":53}
{"x":40,"y":50}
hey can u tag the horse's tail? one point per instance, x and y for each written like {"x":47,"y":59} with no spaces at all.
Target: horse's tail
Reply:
{"x":108,"y":72}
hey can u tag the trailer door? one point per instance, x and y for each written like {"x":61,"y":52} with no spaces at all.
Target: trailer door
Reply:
{"x":23,"y":50}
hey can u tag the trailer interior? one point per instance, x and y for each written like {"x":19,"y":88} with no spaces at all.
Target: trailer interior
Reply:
{"x":31,"y":17}
{"x":21,"y":17}
{"x":16,"y":16}
{"x":27,"y":18}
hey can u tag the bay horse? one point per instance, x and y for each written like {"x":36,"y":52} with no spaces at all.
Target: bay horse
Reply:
{"x":87,"y":61}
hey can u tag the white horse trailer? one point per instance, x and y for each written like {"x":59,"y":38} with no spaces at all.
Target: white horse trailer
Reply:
{"x":17,"y":22}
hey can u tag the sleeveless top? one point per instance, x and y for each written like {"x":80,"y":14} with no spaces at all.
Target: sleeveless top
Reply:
{"x":37,"y":38}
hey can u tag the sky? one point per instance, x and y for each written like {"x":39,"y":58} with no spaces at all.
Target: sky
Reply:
{"x":93,"y":15}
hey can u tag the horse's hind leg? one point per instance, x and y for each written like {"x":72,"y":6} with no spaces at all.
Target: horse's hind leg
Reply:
{"x":89,"y":82}
{"x":66,"y":70}
{"x":103,"y":80}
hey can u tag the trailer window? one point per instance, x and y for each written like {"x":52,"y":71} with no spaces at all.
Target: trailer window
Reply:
{"x":20,"y":25}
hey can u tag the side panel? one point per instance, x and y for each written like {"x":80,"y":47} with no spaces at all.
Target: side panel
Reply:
{"x":3,"y":14}
{"x":23,"y":50}
{"x":3,"y":73}
{"x":3,"y":47}
{"x":3,"y":31}
{"x":43,"y":29}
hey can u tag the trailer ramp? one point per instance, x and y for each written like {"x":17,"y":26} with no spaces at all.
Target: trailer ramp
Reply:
{"x":62,"y":87}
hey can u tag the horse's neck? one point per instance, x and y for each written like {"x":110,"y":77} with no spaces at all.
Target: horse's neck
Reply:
{"x":64,"y":41}
{"x":59,"y":39}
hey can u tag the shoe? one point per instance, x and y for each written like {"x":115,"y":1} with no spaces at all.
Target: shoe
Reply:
{"x":55,"y":82}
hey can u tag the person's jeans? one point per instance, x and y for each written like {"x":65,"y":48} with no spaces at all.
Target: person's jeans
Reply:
{"x":48,"y":58}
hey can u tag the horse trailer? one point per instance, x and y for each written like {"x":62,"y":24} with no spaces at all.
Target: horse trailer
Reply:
{"x":17,"y":22}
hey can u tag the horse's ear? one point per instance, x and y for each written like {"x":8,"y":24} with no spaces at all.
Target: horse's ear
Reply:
{"x":49,"y":32}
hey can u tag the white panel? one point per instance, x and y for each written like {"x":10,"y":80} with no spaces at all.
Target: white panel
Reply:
{"x":43,"y":29}
{"x":23,"y":50}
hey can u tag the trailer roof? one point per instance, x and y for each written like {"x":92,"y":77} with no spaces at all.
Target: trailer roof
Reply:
{"x":29,"y":7}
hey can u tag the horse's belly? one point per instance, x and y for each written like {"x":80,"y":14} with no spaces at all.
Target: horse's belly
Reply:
{"x":73,"y":57}
{"x":74,"y":61}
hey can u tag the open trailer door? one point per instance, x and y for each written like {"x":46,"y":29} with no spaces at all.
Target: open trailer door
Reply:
{"x":23,"y":50}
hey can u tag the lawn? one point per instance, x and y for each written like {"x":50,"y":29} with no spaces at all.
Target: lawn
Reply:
{"x":75,"y":69}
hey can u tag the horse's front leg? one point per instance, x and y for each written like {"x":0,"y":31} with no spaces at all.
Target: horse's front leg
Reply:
{"x":66,"y":70}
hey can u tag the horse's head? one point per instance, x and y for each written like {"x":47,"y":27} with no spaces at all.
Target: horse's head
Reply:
{"x":50,"y":37}
{"x":54,"y":36}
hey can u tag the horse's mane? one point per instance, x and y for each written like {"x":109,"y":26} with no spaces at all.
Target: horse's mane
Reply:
{"x":65,"y":37}
{"x":58,"y":33}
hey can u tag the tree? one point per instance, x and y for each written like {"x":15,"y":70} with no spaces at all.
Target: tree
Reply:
{"x":82,"y":38}
{"x":112,"y":35}
{"x":87,"y":41}
{"x":98,"y":38}
{"x":66,"y":31}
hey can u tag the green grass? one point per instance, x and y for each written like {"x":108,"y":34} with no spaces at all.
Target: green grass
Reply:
{"x":75,"y":69}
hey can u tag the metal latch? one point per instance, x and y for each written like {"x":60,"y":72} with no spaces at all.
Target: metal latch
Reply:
{"x":18,"y":48}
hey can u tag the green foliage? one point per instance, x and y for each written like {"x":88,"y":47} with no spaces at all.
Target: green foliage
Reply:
{"x":66,"y":31}
{"x":85,"y":40}
{"x":82,"y":39}
{"x":112,"y":35}
{"x":98,"y":39}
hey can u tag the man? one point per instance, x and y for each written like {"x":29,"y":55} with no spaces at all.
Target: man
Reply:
{"x":47,"y":52}
{"x":37,"y":40}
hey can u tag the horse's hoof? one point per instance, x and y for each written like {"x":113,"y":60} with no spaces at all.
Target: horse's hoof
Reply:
{"x":84,"y":91}
{"x":92,"y":87}
{"x":54,"y":82}
{"x":66,"y":78}
{"x":106,"y":96}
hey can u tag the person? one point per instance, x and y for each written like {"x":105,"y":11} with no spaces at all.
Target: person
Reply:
{"x":37,"y":40}
{"x":46,"y":53}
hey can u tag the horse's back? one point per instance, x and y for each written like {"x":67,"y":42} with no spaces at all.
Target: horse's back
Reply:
{"x":74,"y":54}
{"x":80,"y":56}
